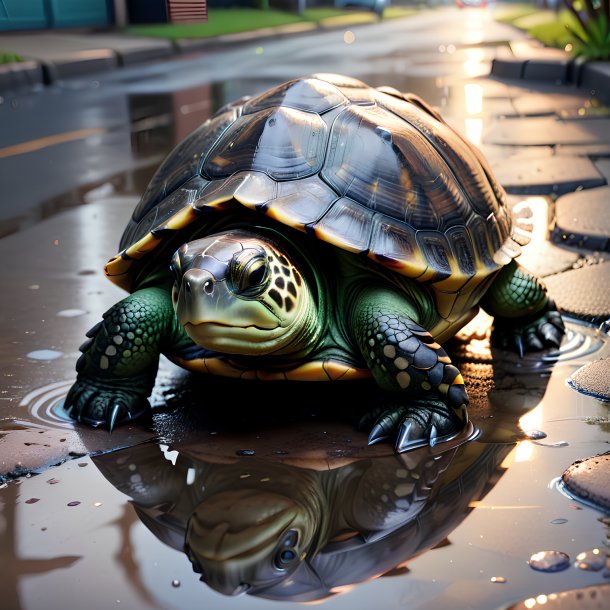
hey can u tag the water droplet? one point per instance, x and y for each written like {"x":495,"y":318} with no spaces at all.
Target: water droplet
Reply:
{"x":500,"y":579}
{"x":44,"y":354}
{"x":175,"y":582}
{"x":535,"y":434}
{"x":96,"y":504}
{"x":70,"y":313}
{"x":82,"y":464}
{"x":73,"y":503}
{"x":32,"y":500}
{"x":246,"y":452}
{"x":549,"y":561}
{"x":592,"y":560}
{"x":53,"y":481}
{"x":559,"y":521}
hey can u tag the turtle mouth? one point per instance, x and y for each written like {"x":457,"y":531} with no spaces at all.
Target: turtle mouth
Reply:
{"x":216,"y":335}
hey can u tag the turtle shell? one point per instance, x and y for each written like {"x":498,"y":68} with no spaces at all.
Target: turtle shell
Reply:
{"x":371,"y":171}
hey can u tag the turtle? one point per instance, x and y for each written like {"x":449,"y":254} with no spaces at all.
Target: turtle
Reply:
{"x":323,"y":230}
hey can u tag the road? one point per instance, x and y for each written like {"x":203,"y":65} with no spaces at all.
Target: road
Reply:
{"x":112,"y":129}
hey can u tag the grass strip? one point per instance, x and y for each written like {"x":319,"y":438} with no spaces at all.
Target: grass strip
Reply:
{"x":233,"y":21}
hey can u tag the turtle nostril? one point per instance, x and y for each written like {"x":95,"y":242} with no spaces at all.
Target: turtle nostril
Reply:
{"x":208,"y":286}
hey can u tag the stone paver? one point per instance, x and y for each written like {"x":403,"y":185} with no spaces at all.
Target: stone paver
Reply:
{"x":544,"y":131}
{"x":593,"y":379}
{"x":583,"y":293}
{"x":589,"y":479}
{"x":603,"y":165}
{"x":584,"y":150}
{"x":582,"y":219}
{"x":539,"y":176}
{"x":591,"y":598}
{"x":561,"y":104}
{"x":548,"y":259}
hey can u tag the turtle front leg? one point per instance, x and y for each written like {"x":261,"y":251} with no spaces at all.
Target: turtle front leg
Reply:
{"x":525,"y":318}
{"x":118,"y":366}
{"x":427,"y":398}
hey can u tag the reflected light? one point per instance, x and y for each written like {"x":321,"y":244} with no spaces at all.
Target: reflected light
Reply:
{"x":524,"y":451}
{"x":532,"y":420}
{"x":539,"y":207}
{"x":474,"y":63}
{"x":529,"y":603}
{"x":542,"y":599}
{"x":474,"y":130}
{"x":474,"y":98}
{"x":349,"y":37}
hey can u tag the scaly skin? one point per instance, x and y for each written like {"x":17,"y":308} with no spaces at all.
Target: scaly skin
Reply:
{"x":405,"y":360}
{"x":525,"y":318}
{"x":117,"y":369}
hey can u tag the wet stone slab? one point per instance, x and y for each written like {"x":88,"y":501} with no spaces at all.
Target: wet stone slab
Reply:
{"x":593,"y":379}
{"x":583,"y":292}
{"x":582,"y":219}
{"x":537,"y":104}
{"x":546,"y":175}
{"x":585,"y":598}
{"x":548,"y":259}
{"x":546,"y":131}
{"x":589,"y":479}
{"x":600,"y":149}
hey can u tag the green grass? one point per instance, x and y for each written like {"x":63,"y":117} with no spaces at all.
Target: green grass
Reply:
{"x":9,"y":58}
{"x":510,"y":13}
{"x":233,"y":21}
{"x":546,"y":26}
{"x":554,"y":33}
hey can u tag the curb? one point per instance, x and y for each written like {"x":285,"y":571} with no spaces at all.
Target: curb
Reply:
{"x":15,"y":77}
{"x":593,"y":75}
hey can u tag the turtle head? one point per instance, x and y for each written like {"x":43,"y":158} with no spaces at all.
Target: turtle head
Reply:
{"x":242,"y":539}
{"x":240,"y":293}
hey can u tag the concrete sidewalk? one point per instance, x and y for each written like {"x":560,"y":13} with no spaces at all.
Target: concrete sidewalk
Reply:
{"x":53,"y":56}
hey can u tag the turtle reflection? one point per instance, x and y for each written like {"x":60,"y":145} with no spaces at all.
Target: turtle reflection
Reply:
{"x":283,"y":531}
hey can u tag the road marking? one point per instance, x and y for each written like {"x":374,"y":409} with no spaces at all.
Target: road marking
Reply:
{"x":40,"y":143}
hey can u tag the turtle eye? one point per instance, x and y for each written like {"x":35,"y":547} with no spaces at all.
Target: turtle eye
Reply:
{"x":249,"y":270}
{"x":286,"y":554}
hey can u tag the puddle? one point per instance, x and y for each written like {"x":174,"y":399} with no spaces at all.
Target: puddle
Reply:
{"x":294,"y":507}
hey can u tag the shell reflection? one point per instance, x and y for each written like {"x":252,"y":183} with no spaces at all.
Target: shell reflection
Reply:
{"x":280,"y":530}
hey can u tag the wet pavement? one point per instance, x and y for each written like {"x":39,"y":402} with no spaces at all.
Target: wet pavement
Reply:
{"x":94,"y":520}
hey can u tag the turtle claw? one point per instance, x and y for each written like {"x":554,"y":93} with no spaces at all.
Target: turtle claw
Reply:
{"x":424,"y":422}
{"x":410,"y":436}
{"x":377,"y":435}
{"x":114,"y":413}
{"x":530,"y":335}
{"x":95,"y":404}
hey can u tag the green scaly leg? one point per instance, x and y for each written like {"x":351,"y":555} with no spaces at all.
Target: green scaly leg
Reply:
{"x":118,"y":366}
{"x":427,"y":399}
{"x":525,"y":318}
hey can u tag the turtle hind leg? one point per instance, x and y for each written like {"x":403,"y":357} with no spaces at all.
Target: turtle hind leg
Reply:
{"x":118,"y":366}
{"x":426,"y":398}
{"x":525,"y":318}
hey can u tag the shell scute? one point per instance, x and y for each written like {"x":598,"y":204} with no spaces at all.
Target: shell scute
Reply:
{"x":346,"y":223}
{"x":285,"y":143}
{"x":300,"y":203}
{"x":308,"y":94}
{"x":183,"y":162}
